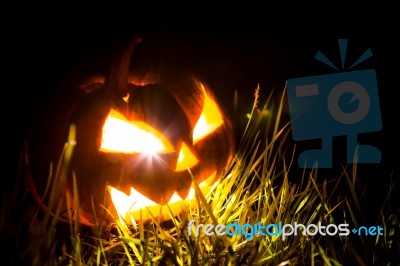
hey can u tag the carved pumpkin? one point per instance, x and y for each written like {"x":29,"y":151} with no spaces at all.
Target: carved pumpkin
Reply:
{"x":138,"y":145}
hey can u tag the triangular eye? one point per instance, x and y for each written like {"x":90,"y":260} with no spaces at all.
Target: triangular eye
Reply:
{"x":210,"y":118}
{"x":120,"y":135}
{"x":186,"y":159}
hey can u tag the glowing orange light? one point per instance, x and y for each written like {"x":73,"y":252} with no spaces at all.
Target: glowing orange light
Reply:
{"x":126,"y":98}
{"x":124,"y":136}
{"x":210,"y":118}
{"x":129,"y":206}
{"x":186,"y":159}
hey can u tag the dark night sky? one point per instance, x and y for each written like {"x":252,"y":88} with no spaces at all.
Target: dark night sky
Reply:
{"x":230,"y":56}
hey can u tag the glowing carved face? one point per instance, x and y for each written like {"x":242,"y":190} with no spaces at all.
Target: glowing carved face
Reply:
{"x":121,"y":135}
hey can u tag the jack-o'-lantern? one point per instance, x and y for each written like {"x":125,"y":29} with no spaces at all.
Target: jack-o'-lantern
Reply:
{"x":140,"y":145}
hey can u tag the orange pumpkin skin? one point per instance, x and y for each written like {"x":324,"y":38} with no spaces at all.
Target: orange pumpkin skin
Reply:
{"x":170,"y":104}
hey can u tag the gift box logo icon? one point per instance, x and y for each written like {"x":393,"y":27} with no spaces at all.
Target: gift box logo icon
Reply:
{"x":338,"y":104}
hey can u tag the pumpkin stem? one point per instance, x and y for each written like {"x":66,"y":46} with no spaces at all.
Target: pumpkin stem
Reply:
{"x":116,"y":80}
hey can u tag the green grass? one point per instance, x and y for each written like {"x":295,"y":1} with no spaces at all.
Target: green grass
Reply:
{"x":255,"y":188}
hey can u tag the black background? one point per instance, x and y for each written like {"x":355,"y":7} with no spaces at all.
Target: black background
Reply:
{"x":48,"y":51}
